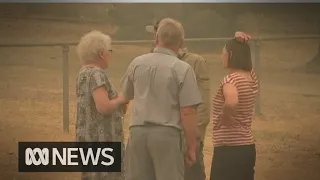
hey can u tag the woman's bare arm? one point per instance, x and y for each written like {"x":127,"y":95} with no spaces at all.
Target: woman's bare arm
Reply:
{"x":230,"y":94}
{"x":103,"y":104}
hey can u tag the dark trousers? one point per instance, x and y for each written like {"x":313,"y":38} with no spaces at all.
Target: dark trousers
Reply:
{"x":233,"y":163}
{"x":197,"y":170}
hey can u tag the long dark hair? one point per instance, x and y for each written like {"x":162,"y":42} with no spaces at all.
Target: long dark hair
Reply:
{"x":239,"y":55}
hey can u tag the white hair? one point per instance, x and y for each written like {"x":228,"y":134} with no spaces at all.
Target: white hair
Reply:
{"x":91,"y":44}
{"x":170,"y":32}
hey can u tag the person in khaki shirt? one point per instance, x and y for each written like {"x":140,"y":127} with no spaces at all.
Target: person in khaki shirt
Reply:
{"x":200,"y":67}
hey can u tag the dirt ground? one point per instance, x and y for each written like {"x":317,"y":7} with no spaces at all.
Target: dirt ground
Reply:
{"x":287,"y":132}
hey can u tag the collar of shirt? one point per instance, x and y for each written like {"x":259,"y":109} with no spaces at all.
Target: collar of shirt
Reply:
{"x":164,"y":51}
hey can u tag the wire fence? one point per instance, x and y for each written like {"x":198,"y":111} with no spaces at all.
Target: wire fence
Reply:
{"x":65,"y":48}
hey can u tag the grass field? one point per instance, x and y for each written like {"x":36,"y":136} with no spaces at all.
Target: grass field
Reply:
{"x":287,"y":133}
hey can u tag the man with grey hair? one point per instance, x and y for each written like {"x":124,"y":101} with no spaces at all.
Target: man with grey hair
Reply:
{"x":200,"y":67}
{"x":166,"y":97}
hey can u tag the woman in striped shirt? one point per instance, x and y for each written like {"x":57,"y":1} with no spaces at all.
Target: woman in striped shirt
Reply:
{"x":233,"y":109}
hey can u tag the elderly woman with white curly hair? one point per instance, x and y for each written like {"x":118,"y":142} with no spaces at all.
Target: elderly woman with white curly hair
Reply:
{"x":99,"y":107}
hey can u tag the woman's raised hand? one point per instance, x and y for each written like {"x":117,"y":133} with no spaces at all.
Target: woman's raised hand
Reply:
{"x":242,"y":37}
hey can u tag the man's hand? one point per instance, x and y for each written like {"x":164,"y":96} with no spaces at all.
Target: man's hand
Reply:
{"x":242,"y":37}
{"x":190,"y":158}
{"x":188,"y":122}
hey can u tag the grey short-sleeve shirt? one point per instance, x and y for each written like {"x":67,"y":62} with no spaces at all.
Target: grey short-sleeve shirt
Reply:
{"x":160,"y":85}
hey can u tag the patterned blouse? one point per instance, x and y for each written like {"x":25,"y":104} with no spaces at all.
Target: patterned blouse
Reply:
{"x":91,"y":126}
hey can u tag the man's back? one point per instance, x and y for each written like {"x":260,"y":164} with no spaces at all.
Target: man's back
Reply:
{"x":166,"y":95}
{"x":157,"y":79}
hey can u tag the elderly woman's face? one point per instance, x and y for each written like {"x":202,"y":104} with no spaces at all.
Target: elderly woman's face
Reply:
{"x":225,"y":57}
{"x":105,"y":56}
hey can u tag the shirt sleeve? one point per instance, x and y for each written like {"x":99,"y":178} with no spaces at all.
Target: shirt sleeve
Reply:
{"x":98,"y":79}
{"x":127,"y":83}
{"x":228,"y":80}
{"x":254,"y":76}
{"x":189,"y":94}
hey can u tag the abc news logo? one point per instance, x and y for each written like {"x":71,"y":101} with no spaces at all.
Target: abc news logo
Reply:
{"x":70,"y":157}
{"x":67,"y":156}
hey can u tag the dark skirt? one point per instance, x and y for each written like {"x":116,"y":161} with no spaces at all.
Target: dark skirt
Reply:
{"x":233,"y":163}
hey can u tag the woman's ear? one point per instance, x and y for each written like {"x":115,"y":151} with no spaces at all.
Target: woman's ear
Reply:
{"x":101,"y":54}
